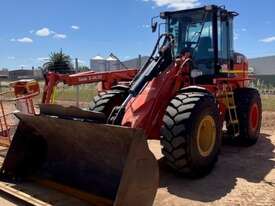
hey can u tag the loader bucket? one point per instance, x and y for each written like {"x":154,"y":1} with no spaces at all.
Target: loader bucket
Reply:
{"x":102,"y":164}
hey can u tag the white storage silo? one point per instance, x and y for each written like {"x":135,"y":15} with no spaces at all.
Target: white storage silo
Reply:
{"x":98,"y":64}
{"x":112,"y":64}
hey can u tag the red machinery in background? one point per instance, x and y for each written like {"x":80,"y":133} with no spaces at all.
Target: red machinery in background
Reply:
{"x":19,"y":97}
{"x":106,"y":80}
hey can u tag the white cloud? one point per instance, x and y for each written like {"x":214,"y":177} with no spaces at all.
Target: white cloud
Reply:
{"x":268,"y":39}
{"x":44,"y":32}
{"x":75,"y":27}
{"x":244,"y":29}
{"x":11,"y":57}
{"x":177,"y":4}
{"x":60,"y":36}
{"x":24,"y":40}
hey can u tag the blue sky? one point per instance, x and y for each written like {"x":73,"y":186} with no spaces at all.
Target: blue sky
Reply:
{"x":31,"y":29}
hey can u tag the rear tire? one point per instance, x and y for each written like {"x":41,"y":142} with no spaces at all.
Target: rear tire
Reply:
{"x":105,"y":101}
{"x":249,"y":112}
{"x":191,"y":133}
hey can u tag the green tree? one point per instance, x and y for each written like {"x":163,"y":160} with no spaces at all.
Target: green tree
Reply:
{"x":59,"y":62}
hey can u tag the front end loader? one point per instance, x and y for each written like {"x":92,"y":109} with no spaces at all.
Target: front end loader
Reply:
{"x":192,"y":83}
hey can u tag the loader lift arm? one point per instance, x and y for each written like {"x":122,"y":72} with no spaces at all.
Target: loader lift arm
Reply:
{"x":161,"y":57}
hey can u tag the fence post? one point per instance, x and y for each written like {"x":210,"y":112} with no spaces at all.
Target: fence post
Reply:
{"x":77,"y":87}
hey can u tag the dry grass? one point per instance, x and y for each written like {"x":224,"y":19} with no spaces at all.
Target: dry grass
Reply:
{"x":268,"y":102}
{"x":87,"y":92}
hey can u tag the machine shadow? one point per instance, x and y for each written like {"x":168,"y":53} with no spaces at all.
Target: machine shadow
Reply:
{"x":250,"y":163}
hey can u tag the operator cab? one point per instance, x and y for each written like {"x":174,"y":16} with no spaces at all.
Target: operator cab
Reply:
{"x":206,"y":32}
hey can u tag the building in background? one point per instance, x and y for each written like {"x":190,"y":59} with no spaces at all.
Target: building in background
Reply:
{"x":4,"y":75}
{"x":4,"y":72}
{"x":18,"y":74}
{"x":263,"y":65}
{"x":264,"y":68}
{"x":136,"y":62}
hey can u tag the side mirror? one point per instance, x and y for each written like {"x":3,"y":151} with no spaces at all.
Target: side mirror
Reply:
{"x":154,"y":26}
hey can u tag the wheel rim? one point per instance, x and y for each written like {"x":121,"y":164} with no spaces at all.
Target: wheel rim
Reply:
{"x":254,"y":116}
{"x":206,"y":135}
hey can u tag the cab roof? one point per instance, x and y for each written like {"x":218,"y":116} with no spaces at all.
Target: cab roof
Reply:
{"x":167,"y":14}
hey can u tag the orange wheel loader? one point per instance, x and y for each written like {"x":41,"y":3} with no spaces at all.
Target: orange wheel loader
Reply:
{"x":192,"y":83}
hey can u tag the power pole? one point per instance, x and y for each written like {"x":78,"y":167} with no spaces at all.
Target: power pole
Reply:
{"x":139,"y":61}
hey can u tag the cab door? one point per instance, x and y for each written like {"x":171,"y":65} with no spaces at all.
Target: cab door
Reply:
{"x":225,"y":41}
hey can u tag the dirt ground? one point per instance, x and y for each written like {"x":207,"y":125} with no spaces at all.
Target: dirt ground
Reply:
{"x":242,"y":176}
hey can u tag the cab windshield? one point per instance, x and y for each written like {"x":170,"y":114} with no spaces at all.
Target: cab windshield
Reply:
{"x":193,"y":32}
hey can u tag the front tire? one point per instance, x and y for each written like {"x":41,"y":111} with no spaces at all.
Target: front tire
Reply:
{"x":191,"y":133}
{"x":105,"y":101}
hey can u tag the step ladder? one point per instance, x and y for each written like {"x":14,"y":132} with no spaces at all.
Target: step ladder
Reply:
{"x":232,"y":110}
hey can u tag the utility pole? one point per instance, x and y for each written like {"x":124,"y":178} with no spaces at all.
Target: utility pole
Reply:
{"x":139,"y":61}
{"x":77,"y":87}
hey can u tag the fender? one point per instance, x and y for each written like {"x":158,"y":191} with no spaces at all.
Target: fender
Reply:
{"x":194,"y":89}
{"x":121,"y":87}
